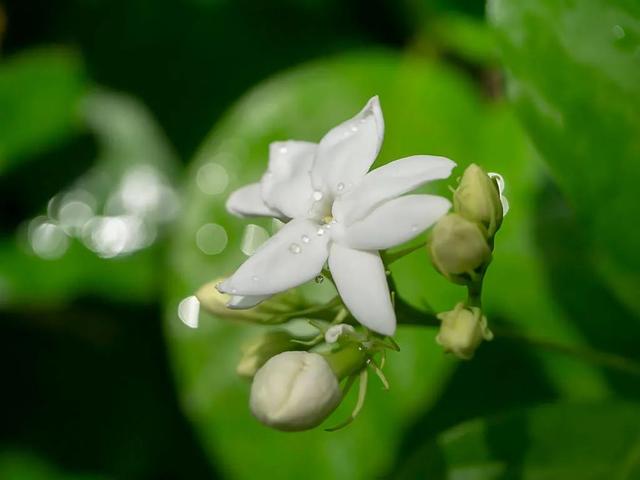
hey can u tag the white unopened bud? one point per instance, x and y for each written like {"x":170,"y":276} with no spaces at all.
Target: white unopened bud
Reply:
{"x":462,"y":330}
{"x":294,"y":391}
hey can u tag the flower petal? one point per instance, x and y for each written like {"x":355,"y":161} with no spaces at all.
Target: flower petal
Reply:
{"x":390,"y":181}
{"x":345,"y":153}
{"x":362,"y":284}
{"x":242,"y":302}
{"x":396,"y":221}
{"x":286,"y":186}
{"x":291,"y":257}
{"x":247,"y":202}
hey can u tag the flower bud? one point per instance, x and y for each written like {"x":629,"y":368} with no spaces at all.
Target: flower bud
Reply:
{"x":294,"y":391}
{"x":462,"y":330}
{"x":459,"y":249}
{"x":477,"y":198}
{"x":260,"y":349}
{"x":257,"y":309}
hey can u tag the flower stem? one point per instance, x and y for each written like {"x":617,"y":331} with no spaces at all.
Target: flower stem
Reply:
{"x":409,"y":315}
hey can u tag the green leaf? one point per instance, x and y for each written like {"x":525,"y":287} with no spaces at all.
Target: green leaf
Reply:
{"x":574,"y":76}
{"x":428,"y":109}
{"x":552,"y":442}
{"x":40,"y":91}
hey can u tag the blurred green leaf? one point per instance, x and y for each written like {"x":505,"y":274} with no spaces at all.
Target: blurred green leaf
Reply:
{"x":39,"y":95}
{"x":428,"y":109}
{"x":552,"y":442}
{"x":468,"y":37}
{"x":21,"y":465}
{"x":574,"y":76}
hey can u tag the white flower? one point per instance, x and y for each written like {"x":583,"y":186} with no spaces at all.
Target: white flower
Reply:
{"x":339,"y":213}
{"x":294,"y":391}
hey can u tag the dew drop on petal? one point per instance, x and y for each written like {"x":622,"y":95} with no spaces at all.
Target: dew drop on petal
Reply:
{"x":295,"y":248}
{"x":354,"y":128}
{"x":189,"y":311}
{"x":499,"y":180}
{"x":340,"y":187}
{"x":320,"y":232}
{"x":305,"y":239}
{"x":319,"y":279}
{"x":317,"y":195}
{"x":283,"y":150}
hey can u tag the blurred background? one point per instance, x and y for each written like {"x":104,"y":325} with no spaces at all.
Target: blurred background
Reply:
{"x":124,"y":124}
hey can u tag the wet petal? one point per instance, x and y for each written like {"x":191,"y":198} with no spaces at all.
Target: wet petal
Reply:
{"x":389,"y":181}
{"x":346,"y":153}
{"x":362,"y":284}
{"x":247,"y":202}
{"x":286,"y":186}
{"x":296,"y":254}
{"x":396,"y":221}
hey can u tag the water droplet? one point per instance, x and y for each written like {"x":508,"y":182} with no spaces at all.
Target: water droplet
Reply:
{"x":340,"y":187}
{"x":305,"y":239}
{"x":618,"y":32}
{"x":255,"y":278}
{"x":319,"y":279}
{"x":354,"y":128}
{"x":283,"y":150}
{"x":295,"y":248}
{"x":189,"y":311}
{"x":387,"y":272}
{"x":317,"y":195}
{"x":211,"y":238}
{"x":320,"y":232}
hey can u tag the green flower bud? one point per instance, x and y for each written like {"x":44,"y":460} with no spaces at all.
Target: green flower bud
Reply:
{"x":264,"y":310}
{"x":462,"y":330}
{"x":477,"y":198}
{"x":258,"y":350}
{"x":459,"y":249}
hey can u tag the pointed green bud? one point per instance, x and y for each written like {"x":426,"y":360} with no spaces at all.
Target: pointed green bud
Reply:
{"x":462,"y":330}
{"x":257,"y":351}
{"x":256,"y":309}
{"x":459,"y":249}
{"x":477,"y":198}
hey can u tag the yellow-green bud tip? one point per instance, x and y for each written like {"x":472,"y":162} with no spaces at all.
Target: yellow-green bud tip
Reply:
{"x":462,"y":330}
{"x":477,"y":198}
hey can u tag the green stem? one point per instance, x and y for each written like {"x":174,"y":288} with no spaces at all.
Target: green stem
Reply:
{"x":409,"y":315}
{"x":389,"y":258}
{"x":591,"y":355}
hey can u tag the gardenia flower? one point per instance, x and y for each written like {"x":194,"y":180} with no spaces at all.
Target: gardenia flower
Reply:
{"x":338,"y":213}
{"x":294,"y":391}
